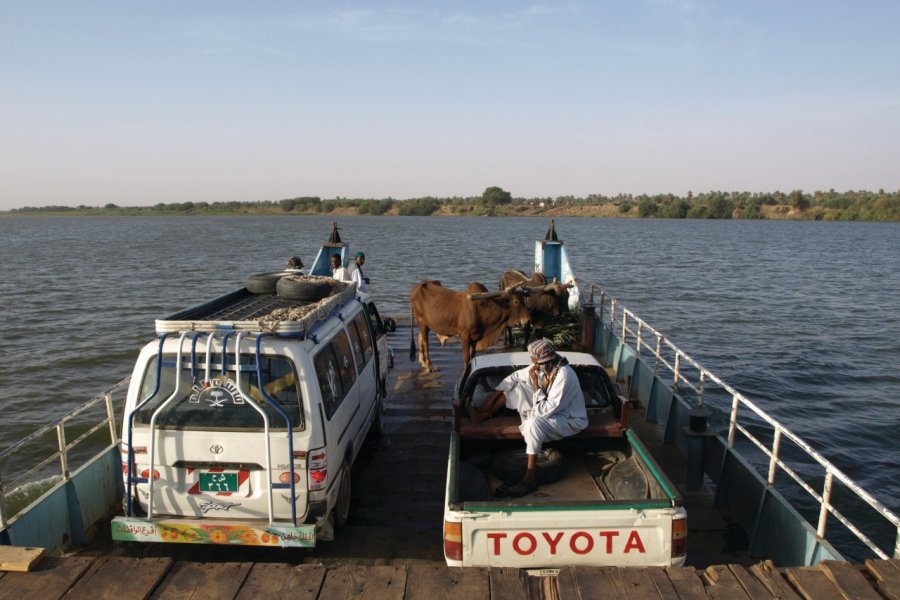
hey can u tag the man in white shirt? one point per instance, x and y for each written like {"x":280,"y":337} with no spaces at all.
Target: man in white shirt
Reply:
{"x":550,"y":403}
{"x":357,"y":273}
{"x":338,"y":271}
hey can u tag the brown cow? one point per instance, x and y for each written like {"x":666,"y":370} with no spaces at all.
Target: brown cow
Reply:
{"x":476,"y":316}
{"x":545,"y":302}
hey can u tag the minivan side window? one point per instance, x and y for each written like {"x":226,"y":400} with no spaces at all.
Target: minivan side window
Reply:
{"x":344,"y":360}
{"x":330,"y":385}
{"x":377,"y":323}
{"x":364,"y":335}
{"x":336,"y":372}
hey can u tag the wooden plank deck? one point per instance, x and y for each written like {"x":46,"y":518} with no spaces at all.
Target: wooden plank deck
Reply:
{"x":117,"y":578}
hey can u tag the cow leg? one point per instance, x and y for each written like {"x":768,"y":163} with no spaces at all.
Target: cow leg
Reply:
{"x":424,"y":354}
{"x":468,"y":351}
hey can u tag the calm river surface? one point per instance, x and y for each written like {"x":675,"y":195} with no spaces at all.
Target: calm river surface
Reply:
{"x":803,"y":317}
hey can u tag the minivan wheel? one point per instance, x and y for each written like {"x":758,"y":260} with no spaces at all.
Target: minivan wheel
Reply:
{"x":342,"y":506}
{"x":136,"y":510}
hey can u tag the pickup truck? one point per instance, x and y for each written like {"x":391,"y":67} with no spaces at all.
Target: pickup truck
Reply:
{"x":601,"y":499}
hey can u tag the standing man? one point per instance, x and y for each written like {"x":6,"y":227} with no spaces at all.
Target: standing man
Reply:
{"x":338,"y":271}
{"x":357,"y":273}
{"x":550,"y":403}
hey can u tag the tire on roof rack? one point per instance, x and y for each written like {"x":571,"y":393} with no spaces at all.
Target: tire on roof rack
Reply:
{"x":303,"y":287}
{"x":264,"y":283}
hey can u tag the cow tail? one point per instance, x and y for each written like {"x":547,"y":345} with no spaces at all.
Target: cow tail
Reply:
{"x":412,"y":331}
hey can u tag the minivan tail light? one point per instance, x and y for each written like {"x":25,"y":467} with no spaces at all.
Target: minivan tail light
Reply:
{"x":318,"y":479}
{"x":453,"y":540}
{"x":679,"y":537}
{"x":318,"y":469}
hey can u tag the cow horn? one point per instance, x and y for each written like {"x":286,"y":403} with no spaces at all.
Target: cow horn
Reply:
{"x":485,"y":295}
{"x":517,"y":288}
{"x":543,"y":288}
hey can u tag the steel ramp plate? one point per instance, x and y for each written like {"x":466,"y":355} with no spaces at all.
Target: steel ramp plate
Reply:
{"x":207,"y":531}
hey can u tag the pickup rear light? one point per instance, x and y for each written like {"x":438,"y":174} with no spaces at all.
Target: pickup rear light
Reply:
{"x":453,"y":540}
{"x":679,"y":537}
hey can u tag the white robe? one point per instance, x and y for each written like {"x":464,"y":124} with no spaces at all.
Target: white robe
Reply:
{"x":341,"y":274}
{"x":357,"y":276}
{"x":546,"y":414}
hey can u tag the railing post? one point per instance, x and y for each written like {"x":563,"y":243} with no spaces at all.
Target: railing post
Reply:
{"x":676,"y":373}
{"x":63,"y":457}
{"x":732,"y":421}
{"x":2,"y":505}
{"x":624,"y":326}
{"x":111,"y":415}
{"x":896,"y":544}
{"x":826,"y":500}
{"x":612,"y":313}
{"x":702,"y":384}
{"x":773,"y":462}
{"x":658,"y":353}
{"x":640,"y":332}
{"x":602,"y":300}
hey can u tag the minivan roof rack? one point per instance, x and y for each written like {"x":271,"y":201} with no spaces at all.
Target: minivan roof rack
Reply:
{"x":242,"y":310}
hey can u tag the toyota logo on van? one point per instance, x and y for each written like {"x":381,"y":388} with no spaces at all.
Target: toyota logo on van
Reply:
{"x":216,"y":449}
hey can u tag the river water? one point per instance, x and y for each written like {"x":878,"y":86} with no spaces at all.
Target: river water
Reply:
{"x":803,"y":317}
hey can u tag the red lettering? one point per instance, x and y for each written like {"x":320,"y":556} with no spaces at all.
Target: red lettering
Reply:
{"x":634,"y":541}
{"x":496,"y":537}
{"x":527,"y":536}
{"x":588,"y":546}
{"x":609,"y":535}
{"x":552,"y":542}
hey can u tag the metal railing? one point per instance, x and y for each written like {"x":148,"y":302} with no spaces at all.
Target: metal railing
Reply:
{"x":63,"y":448}
{"x":691,"y":381}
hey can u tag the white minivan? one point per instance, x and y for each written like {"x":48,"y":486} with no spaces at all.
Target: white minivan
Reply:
{"x":244,"y":418}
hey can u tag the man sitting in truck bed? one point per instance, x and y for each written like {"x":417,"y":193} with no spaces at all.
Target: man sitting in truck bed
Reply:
{"x":550,"y":403}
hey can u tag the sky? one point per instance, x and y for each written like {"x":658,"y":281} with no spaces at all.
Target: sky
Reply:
{"x":138,"y":103}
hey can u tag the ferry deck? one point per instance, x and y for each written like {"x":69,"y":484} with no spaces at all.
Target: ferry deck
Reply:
{"x":392,"y":546}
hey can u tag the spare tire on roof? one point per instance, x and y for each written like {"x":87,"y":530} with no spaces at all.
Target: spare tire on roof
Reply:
{"x":303,"y":287}
{"x":264,"y":283}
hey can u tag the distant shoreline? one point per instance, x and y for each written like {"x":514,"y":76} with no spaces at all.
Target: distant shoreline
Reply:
{"x":769,"y":213}
{"x":796,"y":206}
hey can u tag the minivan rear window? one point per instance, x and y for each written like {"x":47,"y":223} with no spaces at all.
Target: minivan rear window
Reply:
{"x":223,"y":403}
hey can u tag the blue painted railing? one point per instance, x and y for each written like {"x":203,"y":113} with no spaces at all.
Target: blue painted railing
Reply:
{"x":85,"y":486}
{"x":670,"y":384}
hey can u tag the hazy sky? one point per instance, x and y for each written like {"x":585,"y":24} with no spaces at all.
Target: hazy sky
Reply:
{"x":145,"y":102}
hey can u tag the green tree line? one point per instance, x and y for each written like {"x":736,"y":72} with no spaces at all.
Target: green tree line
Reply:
{"x":819,"y":205}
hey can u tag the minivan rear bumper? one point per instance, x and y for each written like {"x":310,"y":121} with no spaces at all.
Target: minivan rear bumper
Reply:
{"x":209,"y":531}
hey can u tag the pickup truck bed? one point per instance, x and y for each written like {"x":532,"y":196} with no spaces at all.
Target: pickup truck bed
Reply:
{"x":600,"y":500}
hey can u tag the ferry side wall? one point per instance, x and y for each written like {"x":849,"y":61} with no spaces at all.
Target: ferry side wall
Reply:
{"x":65,"y":514}
{"x":777,"y":531}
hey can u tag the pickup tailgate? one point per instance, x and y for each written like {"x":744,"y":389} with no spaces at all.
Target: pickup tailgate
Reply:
{"x":535,"y":537}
